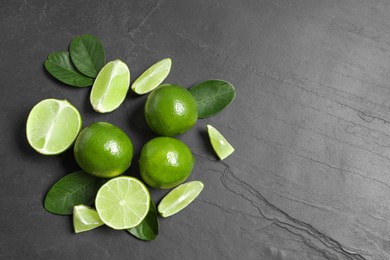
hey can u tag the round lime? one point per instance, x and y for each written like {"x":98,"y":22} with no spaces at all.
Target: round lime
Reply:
{"x":103,"y":150}
{"x":170,"y":110}
{"x":165,"y":162}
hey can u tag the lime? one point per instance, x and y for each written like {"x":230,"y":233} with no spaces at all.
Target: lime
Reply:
{"x":170,"y":110}
{"x":220,"y":145}
{"x":122,"y":202}
{"x":52,"y":126}
{"x":165,"y":162}
{"x":152,"y":77}
{"x":103,"y":150}
{"x":179,"y":198}
{"x":110,"y":87}
{"x":85,"y":218}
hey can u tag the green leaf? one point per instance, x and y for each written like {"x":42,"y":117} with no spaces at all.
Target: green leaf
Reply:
{"x":87,"y":54}
{"x":148,"y":228}
{"x":74,"y":189}
{"x":212,"y":96}
{"x":59,"y":65}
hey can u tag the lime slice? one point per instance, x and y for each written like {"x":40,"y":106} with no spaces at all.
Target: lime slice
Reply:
{"x":85,"y":218}
{"x":122,"y":202}
{"x":52,"y":126}
{"x":220,"y":145}
{"x":110,"y":87}
{"x":152,"y":77}
{"x":179,"y":198}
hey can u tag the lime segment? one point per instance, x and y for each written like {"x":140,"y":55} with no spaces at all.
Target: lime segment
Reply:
{"x":220,"y":145}
{"x":179,"y":198}
{"x":85,"y":218}
{"x":122,"y":202}
{"x":110,"y":87}
{"x":52,"y":126}
{"x":152,"y":77}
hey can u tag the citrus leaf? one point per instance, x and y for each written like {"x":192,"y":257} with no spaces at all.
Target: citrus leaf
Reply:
{"x":212,"y":96}
{"x":87,"y":54}
{"x":59,"y":65}
{"x":148,"y":229}
{"x":73,"y":189}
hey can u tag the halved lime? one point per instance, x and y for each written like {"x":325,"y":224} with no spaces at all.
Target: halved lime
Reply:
{"x":179,"y":198}
{"x":220,"y":145}
{"x":122,"y":202}
{"x":85,"y":218}
{"x":52,"y":126}
{"x":110,"y":87}
{"x":152,"y":77}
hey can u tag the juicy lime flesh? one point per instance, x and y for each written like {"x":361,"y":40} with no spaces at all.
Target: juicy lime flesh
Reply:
{"x":110,"y":87}
{"x":103,"y":150}
{"x":220,"y":145}
{"x":179,"y":198}
{"x":152,"y":77}
{"x":170,"y":110}
{"x":52,"y":126}
{"x":165,"y":162}
{"x":122,"y":202}
{"x":85,"y":218}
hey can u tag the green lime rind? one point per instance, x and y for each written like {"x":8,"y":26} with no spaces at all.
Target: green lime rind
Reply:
{"x":110,"y":87}
{"x":179,"y":198}
{"x":220,"y":145}
{"x":148,"y":228}
{"x":122,"y":202}
{"x":152,"y":77}
{"x":85,"y":218}
{"x":52,"y":126}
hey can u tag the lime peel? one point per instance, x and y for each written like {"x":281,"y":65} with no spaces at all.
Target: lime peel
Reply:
{"x":220,"y":145}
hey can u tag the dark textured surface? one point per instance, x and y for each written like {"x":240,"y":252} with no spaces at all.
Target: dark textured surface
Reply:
{"x":310,"y":124}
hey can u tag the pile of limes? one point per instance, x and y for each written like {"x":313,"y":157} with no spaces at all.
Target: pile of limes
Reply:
{"x":104,"y":151}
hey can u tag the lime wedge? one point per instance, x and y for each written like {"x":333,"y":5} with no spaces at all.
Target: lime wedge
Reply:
{"x":122,"y":202}
{"x":220,"y":145}
{"x":152,"y":77}
{"x":179,"y":198}
{"x":85,"y":218}
{"x":52,"y":126}
{"x":110,"y":87}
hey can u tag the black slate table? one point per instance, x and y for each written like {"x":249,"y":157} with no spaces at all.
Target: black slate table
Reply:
{"x":310,"y":123}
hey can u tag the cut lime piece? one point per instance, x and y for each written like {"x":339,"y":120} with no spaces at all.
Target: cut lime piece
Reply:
{"x":110,"y":87}
{"x":52,"y":126}
{"x":179,"y":198}
{"x":85,"y":218}
{"x":122,"y":202}
{"x":220,"y":145}
{"x":152,"y":77}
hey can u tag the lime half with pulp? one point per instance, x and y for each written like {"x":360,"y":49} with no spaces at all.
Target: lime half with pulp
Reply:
{"x":110,"y":87}
{"x":52,"y":126}
{"x":220,"y":145}
{"x":179,"y":198}
{"x":122,"y":202}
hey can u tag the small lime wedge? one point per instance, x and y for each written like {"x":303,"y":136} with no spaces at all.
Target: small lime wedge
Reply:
{"x":52,"y":126}
{"x":122,"y":202}
{"x":85,"y":218}
{"x":179,"y":198}
{"x":152,"y":77}
{"x":220,"y":145}
{"x":110,"y":87}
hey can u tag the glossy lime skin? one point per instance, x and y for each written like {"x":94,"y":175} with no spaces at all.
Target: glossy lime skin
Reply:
{"x":170,"y":110}
{"x":103,"y":150}
{"x":165,"y":162}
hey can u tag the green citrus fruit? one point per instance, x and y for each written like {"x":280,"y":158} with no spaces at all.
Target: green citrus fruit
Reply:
{"x":165,"y":162}
{"x":170,"y":110}
{"x":103,"y":150}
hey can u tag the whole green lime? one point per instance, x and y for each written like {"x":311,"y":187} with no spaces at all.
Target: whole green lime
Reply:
{"x":103,"y":150}
{"x":170,"y":110}
{"x":165,"y":162}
